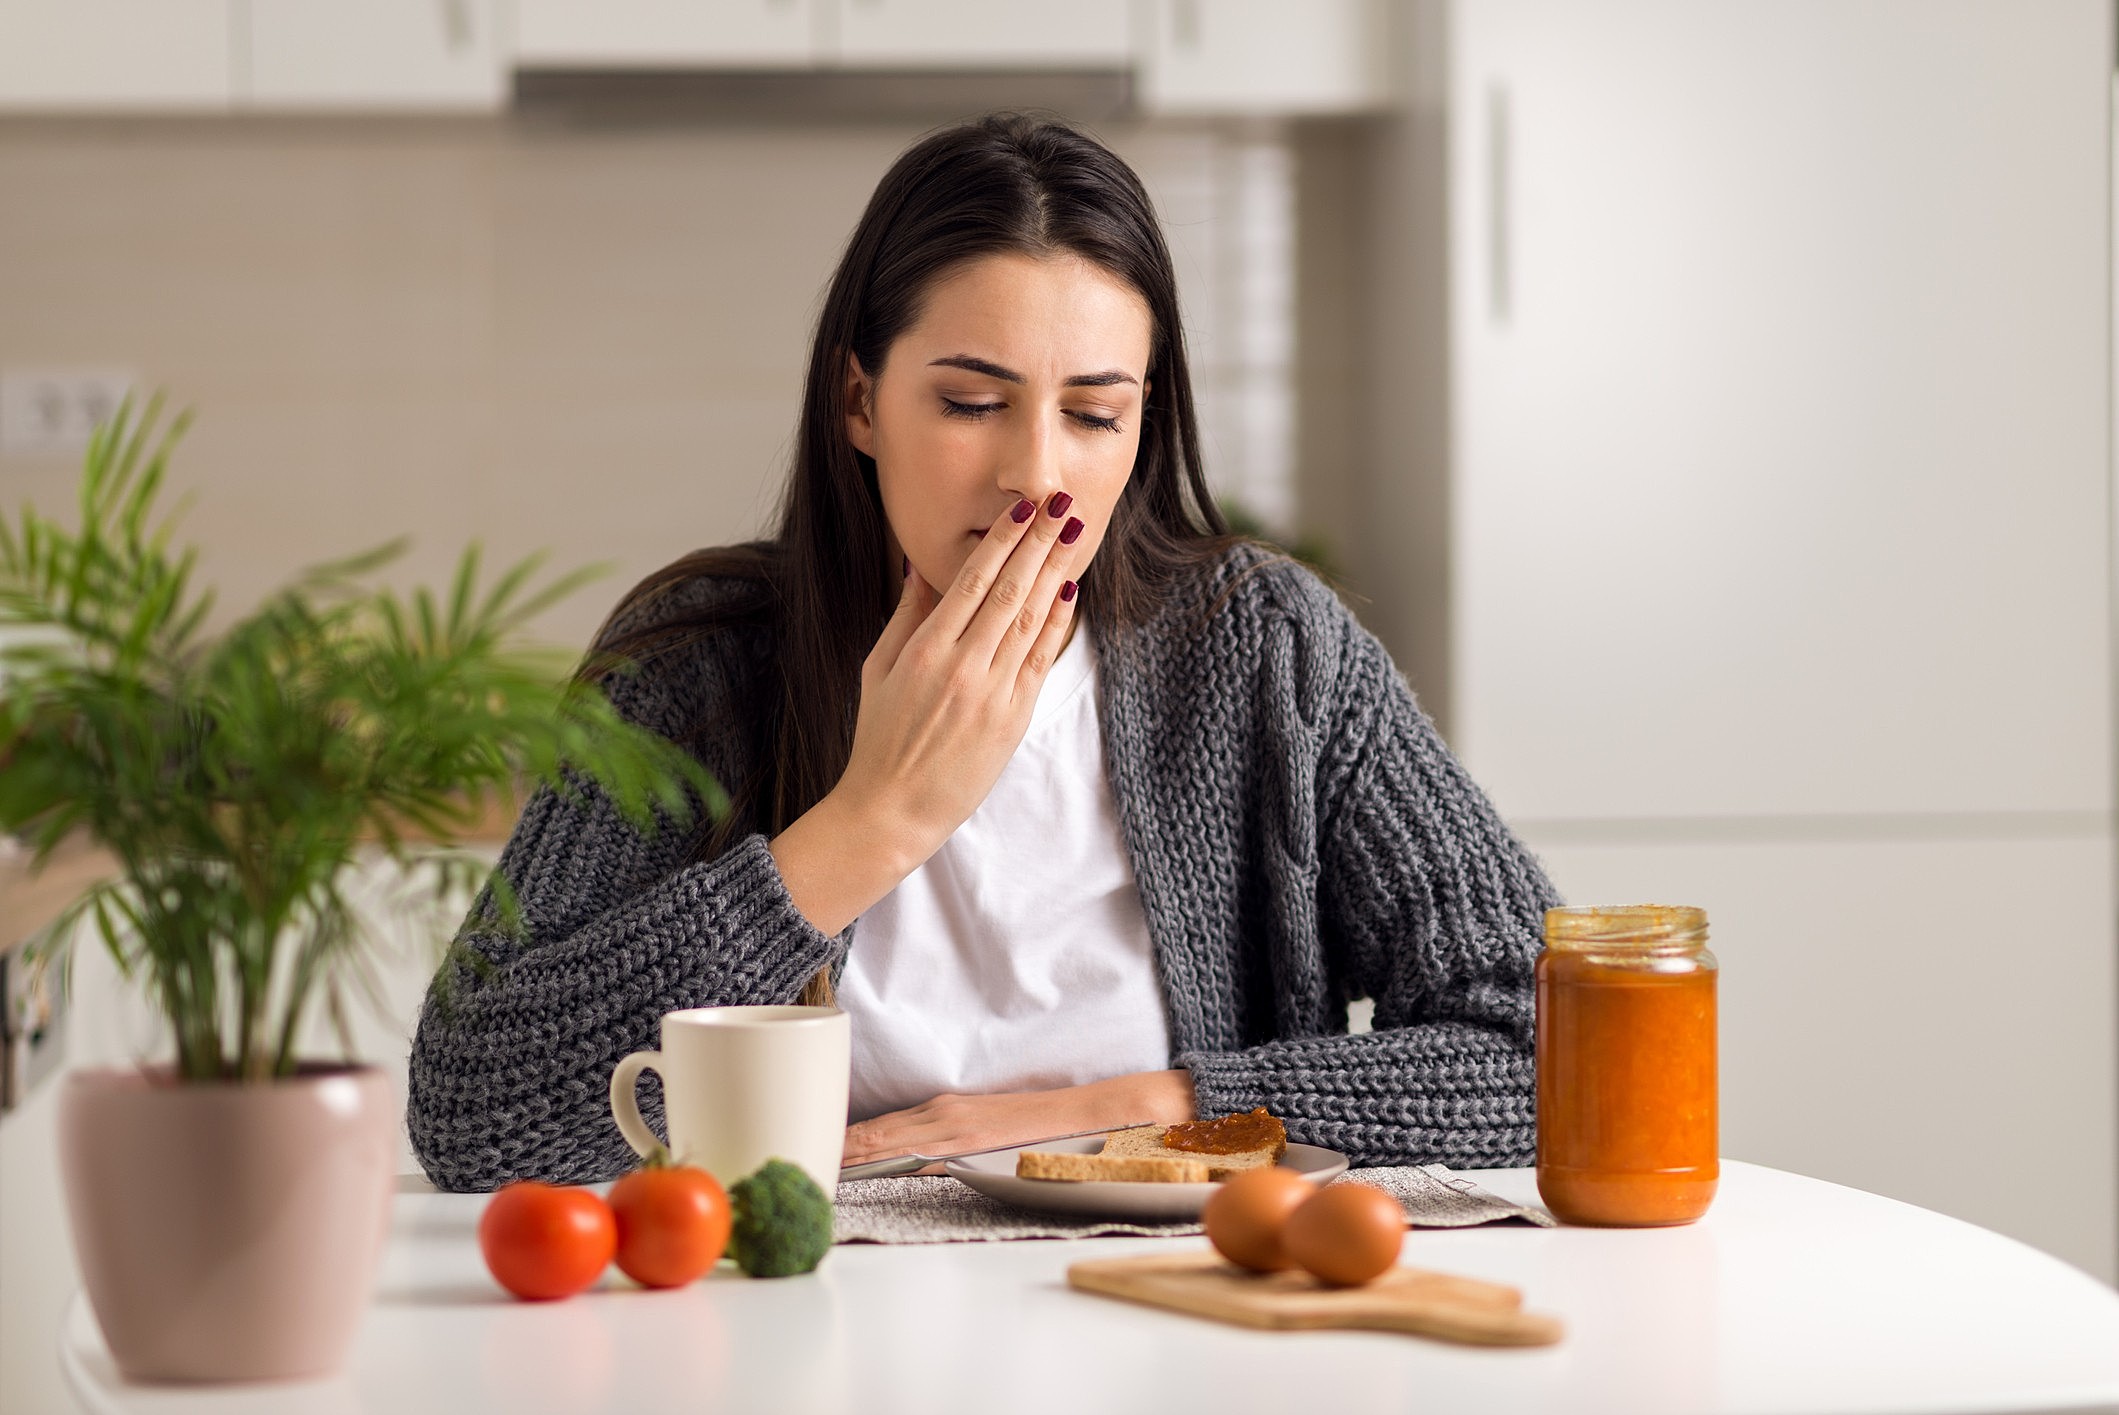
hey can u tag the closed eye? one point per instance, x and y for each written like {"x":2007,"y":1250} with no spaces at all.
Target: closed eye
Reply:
{"x":974,"y":412}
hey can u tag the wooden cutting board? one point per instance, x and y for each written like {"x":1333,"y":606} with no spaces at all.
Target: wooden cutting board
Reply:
{"x":1402,"y":1299}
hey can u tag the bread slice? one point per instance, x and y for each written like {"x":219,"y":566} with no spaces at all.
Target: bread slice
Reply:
{"x":1146,"y":1142}
{"x":1152,"y":1169}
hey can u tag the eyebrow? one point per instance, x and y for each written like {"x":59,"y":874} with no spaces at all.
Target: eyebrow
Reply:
{"x":1105,"y":379}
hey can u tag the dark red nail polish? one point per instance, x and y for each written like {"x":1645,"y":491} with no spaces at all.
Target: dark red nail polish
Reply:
{"x":1022,"y":512}
{"x":1067,"y":592}
{"x":1057,"y":506}
{"x":1072,"y":532}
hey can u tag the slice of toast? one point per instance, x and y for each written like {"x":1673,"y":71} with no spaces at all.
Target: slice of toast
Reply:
{"x":1146,"y":1142}
{"x":1152,"y":1169}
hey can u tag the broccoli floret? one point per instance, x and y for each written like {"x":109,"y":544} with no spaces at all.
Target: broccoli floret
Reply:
{"x":782,"y":1221}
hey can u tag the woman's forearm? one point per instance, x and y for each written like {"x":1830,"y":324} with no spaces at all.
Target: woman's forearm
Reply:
{"x":1142,"y":1098}
{"x":838,"y":859}
{"x":954,"y":1124}
{"x":1427,"y":1093}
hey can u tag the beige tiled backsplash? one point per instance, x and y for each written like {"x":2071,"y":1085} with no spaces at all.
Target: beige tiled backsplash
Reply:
{"x":590,"y":341}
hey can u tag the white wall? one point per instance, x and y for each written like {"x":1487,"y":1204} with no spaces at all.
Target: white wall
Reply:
{"x":541,"y":336}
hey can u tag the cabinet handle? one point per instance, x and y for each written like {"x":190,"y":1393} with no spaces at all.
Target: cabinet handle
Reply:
{"x":456,"y":23}
{"x":1184,"y":24}
{"x":1500,"y":277}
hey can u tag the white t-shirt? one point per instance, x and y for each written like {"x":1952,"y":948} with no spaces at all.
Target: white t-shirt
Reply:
{"x":1017,"y":958}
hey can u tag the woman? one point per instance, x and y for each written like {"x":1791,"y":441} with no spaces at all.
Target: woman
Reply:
{"x":1088,"y":812}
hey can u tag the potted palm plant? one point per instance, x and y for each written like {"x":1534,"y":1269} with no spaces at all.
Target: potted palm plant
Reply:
{"x":229,"y":1204}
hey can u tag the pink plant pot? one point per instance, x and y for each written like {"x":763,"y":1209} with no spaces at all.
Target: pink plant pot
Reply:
{"x":228,"y":1232}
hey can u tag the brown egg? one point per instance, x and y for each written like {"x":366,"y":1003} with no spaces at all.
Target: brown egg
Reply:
{"x":1347,"y":1234}
{"x":1244,"y":1217}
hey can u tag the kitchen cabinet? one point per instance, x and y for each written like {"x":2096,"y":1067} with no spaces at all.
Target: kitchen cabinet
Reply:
{"x":719,"y":34}
{"x":115,"y":55}
{"x":951,"y":34}
{"x":1247,"y":56}
{"x":813,"y":34}
{"x":378,"y":55}
{"x":1782,"y":407}
{"x":176,"y":56}
{"x":1188,"y":58}
{"x":1777,"y":476}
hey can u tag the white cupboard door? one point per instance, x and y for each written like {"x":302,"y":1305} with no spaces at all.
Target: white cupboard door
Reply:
{"x":114,"y":55}
{"x":624,"y":34}
{"x":1263,"y":56}
{"x":957,"y":34}
{"x":1928,"y":1019}
{"x":379,"y":54}
{"x":1781,"y":348}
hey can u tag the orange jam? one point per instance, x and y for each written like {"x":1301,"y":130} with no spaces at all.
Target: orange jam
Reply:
{"x":1628,"y":1130}
{"x":1230,"y":1135}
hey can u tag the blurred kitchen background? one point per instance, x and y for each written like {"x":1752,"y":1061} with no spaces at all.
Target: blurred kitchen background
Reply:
{"x":1709,"y":404}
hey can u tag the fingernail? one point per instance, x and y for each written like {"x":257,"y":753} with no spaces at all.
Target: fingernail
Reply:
{"x":1067,"y":592}
{"x":1057,"y":506}
{"x":907,"y":567}
{"x":1023,"y":511}
{"x":1072,"y":532}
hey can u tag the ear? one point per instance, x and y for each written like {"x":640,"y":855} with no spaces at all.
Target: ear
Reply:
{"x":860,"y":408}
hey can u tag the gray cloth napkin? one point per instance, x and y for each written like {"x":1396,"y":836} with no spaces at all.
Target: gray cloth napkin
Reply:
{"x":934,"y":1208}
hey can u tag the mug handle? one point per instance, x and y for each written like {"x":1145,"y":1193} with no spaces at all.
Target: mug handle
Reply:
{"x":625,"y":1102}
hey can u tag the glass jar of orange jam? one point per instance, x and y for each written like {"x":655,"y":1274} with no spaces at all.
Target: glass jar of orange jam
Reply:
{"x":1628,"y":1126}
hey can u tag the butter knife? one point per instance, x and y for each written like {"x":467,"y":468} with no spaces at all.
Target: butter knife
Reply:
{"x":906,"y":1164}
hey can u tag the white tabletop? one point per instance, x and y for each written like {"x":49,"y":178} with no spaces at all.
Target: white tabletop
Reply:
{"x":1792,"y":1295}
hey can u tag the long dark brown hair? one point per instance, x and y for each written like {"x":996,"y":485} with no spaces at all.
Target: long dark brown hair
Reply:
{"x":826,"y":583}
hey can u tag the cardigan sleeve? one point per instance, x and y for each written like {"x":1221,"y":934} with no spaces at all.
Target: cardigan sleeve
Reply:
{"x":1427,"y":904}
{"x":510,"y":1066}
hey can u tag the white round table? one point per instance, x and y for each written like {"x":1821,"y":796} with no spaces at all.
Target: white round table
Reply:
{"x":1792,"y":1295}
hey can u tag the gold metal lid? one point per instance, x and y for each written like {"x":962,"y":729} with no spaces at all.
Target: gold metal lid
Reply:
{"x":1647,"y":925}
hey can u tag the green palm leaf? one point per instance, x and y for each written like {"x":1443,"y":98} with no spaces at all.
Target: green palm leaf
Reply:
{"x":239,"y":778}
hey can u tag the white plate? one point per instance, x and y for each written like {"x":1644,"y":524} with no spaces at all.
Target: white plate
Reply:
{"x":994,"y":1176}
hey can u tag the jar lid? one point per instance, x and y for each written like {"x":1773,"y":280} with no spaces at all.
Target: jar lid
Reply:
{"x":1646,"y":924}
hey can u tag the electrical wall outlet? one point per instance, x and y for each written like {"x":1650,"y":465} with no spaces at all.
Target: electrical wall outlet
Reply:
{"x":51,"y":412}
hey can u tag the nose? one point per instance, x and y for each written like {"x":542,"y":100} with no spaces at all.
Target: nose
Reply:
{"x":1033,"y":466}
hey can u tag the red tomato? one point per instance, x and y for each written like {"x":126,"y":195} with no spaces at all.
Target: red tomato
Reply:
{"x":672,"y":1224}
{"x":544,"y":1241}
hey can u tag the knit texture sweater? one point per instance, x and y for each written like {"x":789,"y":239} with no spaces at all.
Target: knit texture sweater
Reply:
{"x":1299,"y":833}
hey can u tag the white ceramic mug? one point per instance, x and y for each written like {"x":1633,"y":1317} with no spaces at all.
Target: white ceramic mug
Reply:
{"x":742,"y":1085}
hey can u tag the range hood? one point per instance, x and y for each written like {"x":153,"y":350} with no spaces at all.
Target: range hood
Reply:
{"x":630,"y":95}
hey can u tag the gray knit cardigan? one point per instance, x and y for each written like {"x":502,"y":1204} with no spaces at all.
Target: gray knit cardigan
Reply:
{"x":1300,"y":835}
